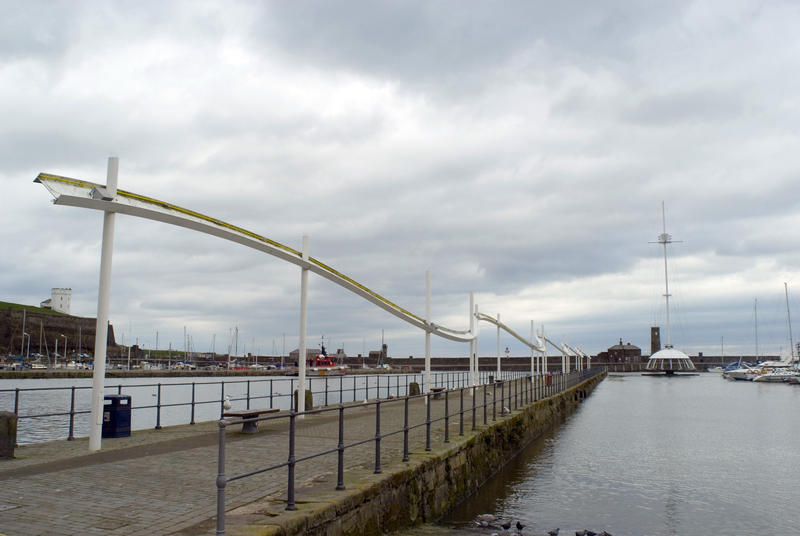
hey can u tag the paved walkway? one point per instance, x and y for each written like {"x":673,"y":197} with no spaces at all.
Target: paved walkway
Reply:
{"x":163,"y":481}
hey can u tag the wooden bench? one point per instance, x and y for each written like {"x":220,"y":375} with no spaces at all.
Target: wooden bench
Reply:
{"x":437,"y":392}
{"x":249,"y":427}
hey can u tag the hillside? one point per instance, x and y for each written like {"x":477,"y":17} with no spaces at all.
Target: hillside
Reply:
{"x":44,"y":327}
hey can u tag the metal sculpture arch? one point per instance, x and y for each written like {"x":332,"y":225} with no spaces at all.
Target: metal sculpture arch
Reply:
{"x":84,"y":194}
{"x":108,"y":199}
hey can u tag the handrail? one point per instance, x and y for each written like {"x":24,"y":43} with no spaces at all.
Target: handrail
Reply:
{"x":523,"y":390}
{"x":323,"y":388}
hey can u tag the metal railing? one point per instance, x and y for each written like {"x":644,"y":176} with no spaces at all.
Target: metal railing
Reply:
{"x":510,"y":393}
{"x":75,"y":401}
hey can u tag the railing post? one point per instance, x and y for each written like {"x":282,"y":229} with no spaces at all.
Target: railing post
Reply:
{"x":222,"y":481}
{"x":291,"y":462}
{"x":366,"y":392}
{"x":516,"y":393}
{"x":71,"y":435}
{"x":354,"y":388}
{"x":494,"y":402}
{"x":16,"y":401}
{"x":221,"y":398}
{"x":119,"y":389}
{"x":503,"y":399}
{"x":405,"y":429}
{"x":428,"y":422}
{"x":341,"y":392}
{"x":485,"y":409}
{"x":270,"y":393}
{"x":158,"y":409}
{"x":378,"y":435}
{"x":340,"y":449}
{"x":461,"y":411}
{"x":446,"y":417}
{"x":474,"y":409}
{"x":191,"y":421}
{"x":248,"y":394}
{"x":326,"y":390}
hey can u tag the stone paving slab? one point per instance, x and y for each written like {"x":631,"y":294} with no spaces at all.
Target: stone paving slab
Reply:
{"x":163,"y":481}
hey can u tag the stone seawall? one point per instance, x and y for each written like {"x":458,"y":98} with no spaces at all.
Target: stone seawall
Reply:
{"x":421,"y":490}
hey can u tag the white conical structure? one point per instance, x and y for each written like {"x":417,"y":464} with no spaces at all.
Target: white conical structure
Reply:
{"x":669,"y":360}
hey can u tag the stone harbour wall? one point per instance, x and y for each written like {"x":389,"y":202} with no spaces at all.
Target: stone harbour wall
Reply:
{"x":422,"y":490}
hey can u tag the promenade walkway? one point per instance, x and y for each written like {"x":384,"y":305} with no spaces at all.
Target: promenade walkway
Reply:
{"x":163,"y":481}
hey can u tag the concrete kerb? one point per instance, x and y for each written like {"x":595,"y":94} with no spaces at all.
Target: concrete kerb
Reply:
{"x":406,"y":493}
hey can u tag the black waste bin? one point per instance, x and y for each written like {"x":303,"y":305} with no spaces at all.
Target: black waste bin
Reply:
{"x":116,"y":416}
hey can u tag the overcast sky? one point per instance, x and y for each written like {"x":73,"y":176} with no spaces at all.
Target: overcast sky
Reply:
{"x":518,"y":150}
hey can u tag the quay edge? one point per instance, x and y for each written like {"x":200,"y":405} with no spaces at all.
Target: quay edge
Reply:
{"x":410,"y":493}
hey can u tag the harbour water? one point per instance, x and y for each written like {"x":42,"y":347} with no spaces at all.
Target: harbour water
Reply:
{"x":657,"y":456}
{"x":171,"y":403}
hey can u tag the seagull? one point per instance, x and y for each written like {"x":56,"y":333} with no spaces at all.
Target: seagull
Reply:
{"x":506,"y":410}
{"x":520,"y":526}
{"x":506,"y":525}
{"x":553,"y":532}
{"x":227,"y":403}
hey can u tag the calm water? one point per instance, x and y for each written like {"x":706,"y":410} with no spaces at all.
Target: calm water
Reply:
{"x":48,"y":396}
{"x":659,"y":456}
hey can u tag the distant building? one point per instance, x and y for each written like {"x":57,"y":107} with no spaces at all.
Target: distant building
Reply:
{"x":59,"y":300}
{"x":621,"y":353}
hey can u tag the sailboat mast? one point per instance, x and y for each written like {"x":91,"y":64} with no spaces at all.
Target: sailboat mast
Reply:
{"x":789,"y":320}
{"x":755,"y":314}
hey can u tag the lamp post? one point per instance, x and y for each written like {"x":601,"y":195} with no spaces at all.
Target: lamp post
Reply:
{"x":65,"y":346}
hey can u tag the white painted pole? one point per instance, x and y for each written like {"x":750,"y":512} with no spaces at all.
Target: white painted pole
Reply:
{"x":301,"y":356}
{"x":427,"y":331}
{"x":476,"y":368}
{"x":533,"y":352}
{"x":472,"y":341}
{"x":103,"y":299}
{"x":498,"y":346}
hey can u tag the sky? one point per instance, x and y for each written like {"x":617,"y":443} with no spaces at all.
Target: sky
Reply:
{"x":519,"y":150}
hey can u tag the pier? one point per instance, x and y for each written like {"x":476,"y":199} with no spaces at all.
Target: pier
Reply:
{"x":168,"y":481}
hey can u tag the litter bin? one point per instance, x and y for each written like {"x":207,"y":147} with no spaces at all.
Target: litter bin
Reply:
{"x":116,"y":416}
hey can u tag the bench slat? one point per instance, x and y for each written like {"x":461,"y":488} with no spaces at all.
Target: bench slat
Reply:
{"x":245,"y":413}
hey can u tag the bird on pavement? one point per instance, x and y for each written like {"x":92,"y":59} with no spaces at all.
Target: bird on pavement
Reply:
{"x":520,"y":526}
{"x":506,"y":525}
{"x":227,"y":403}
